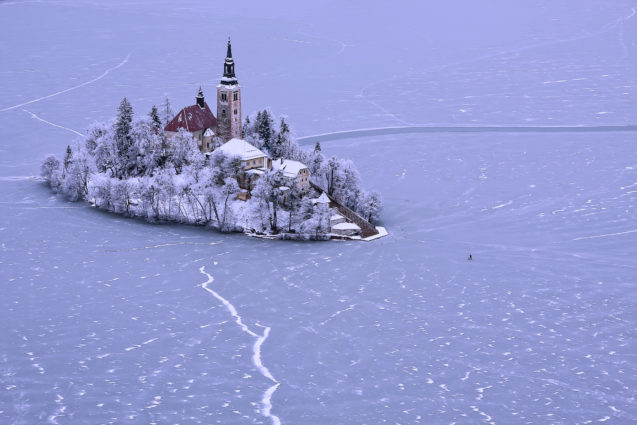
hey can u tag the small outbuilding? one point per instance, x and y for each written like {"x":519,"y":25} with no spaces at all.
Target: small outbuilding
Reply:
{"x":346,"y":229}
{"x":337,"y":219}
{"x":323,"y":199}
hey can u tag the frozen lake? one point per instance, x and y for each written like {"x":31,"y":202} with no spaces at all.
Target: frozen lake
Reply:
{"x":113,"y":320}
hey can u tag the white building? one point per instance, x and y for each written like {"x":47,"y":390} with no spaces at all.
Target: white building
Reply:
{"x":251,"y":157}
{"x":293,"y":170}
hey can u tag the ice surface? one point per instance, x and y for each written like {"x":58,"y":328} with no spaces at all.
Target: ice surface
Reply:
{"x":105,"y":319}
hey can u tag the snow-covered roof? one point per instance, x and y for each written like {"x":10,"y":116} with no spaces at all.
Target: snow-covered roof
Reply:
{"x":258,"y":171}
{"x":209,"y":133}
{"x":289,"y":167}
{"x":323,"y":199}
{"x":192,"y":118}
{"x":345,"y":226}
{"x":336,"y":217}
{"x":228,"y":86}
{"x":241,"y":148}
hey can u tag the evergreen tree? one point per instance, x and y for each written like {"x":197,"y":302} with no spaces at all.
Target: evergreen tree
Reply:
{"x":284,"y":128}
{"x":247,"y":129}
{"x":123,"y":137}
{"x":265,"y":128}
{"x":332,"y":174}
{"x":166,"y":112}
{"x":154,"y":116}
{"x":281,"y":144}
{"x":277,"y":149}
{"x":316,"y":161}
{"x":68,"y":158}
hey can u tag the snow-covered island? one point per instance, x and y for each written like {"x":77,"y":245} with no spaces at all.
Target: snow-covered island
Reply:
{"x":231,"y":175}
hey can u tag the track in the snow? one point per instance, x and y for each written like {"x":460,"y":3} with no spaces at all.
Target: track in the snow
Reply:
{"x":366,"y":132}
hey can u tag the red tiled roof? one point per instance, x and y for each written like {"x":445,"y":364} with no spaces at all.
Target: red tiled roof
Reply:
{"x":193,"y":118}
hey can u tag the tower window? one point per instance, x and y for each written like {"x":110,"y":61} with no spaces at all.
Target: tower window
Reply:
{"x":223,"y":112}
{"x":224,"y":97}
{"x":235,"y":112}
{"x":235,"y":96}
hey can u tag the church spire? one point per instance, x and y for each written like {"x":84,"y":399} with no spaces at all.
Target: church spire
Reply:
{"x":200,"y":99}
{"x":229,"y":78}
{"x":229,"y":54}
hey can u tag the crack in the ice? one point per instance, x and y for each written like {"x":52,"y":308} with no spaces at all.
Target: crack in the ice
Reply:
{"x":620,"y":23}
{"x":351,"y":307}
{"x":266,"y":400}
{"x":52,"y":124}
{"x":104,"y":74}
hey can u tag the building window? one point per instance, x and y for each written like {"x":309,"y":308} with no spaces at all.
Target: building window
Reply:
{"x":224,"y":97}
{"x":235,"y":95}
{"x":223,"y":112}
{"x":235,"y":112}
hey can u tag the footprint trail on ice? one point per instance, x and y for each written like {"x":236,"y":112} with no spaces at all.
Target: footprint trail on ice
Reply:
{"x":266,"y":400}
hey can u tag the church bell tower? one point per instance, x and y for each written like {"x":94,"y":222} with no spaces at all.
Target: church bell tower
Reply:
{"x":229,"y":101}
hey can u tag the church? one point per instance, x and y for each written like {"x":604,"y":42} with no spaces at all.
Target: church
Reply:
{"x":226,"y":128}
{"x":199,"y":120}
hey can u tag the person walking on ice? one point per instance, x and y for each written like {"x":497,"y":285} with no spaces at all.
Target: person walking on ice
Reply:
{"x":470,"y":257}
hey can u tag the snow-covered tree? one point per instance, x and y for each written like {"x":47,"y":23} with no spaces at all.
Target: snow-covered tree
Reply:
{"x":224,"y":166}
{"x":122,"y":192}
{"x":105,"y":154}
{"x":94,"y":133}
{"x":332,"y":174}
{"x":228,"y":192}
{"x":247,"y":128}
{"x":50,"y":171}
{"x":167,"y":191}
{"x":49,"y":166}
{"x":291,"y":201}
{"x":124,"y":138}
{"x":154,"y":116}
{"x":265,"y":128}
{"x":316,"y":161}
{"x":166,"y":112}
{"x":183,"y":150}
{"x":317,"y":225}
{"x":99,"y":191}
{"x":268,"y":193}
{"x":342,"y":181}
{"x":149,"y":193}
{"x":370,"y":206}
{"x":347,"y":189}
{"x":281,"y":145}
{"x":68,"y":158}
{"x":149,"y":146}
